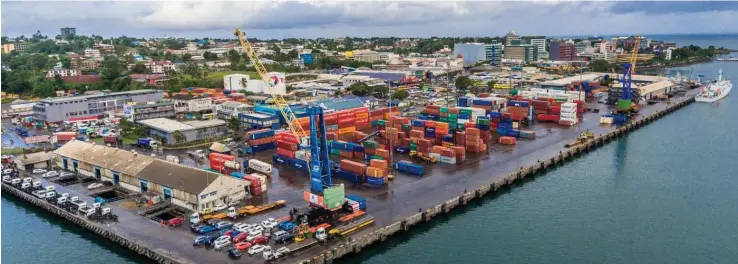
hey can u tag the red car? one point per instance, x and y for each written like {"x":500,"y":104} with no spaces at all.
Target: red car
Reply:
{"x":240,"y":237}
{"x":260,"y":240}
{"x":175,"y":221}
{"x":242,"y":246}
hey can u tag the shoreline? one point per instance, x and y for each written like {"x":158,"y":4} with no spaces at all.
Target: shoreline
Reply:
{"x":682,"y":64}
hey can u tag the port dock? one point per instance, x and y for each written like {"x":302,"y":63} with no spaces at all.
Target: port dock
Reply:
{"x":398,"y":207}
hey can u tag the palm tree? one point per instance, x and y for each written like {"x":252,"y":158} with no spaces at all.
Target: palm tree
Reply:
{"x":179,"y":137}
{"x":243,"y":82}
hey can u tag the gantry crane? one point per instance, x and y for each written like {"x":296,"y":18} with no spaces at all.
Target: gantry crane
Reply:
{"x":320,"y":173}
{"x":625,"y":104}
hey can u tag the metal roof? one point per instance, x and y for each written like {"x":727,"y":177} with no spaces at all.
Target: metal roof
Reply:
{"x":165,"y":124}
{"x":178,"y":177}
{"x":85,"y":97}
{"x":32,"y":158}
{"x":341,"y":104}
{"x":106,"y":157}
{"x":658,"y":87}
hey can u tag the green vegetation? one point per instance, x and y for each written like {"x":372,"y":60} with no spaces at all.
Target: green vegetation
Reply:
{"x":400,"y":95}
{"x":463,"y":83}
{"x":11,"y":151}
{"x":362,"y":89}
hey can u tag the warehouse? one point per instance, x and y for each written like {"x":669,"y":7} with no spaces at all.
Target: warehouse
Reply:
{"x":184,"y":186}
{"x":165,"y":129}
{"x":38,"y":160}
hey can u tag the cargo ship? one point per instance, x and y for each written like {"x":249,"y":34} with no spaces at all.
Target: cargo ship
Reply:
{"x":716,"y":90}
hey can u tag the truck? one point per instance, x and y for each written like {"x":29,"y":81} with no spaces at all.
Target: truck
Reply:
{"x":252,"y":210}
{"x":147,"y":143}
{"x":197,"y":154}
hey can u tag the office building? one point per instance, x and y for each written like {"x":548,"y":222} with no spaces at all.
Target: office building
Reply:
{"x":510,"y":37}
{"x":526,"y":52}
{"x":185,"y":103}
{"x":493,"y":53}
{"x":68,"y":32}
{"x":470,"y":52}
{"x":562,"y":51}
{"x":538,"y":41}
{"x":165,"y":129}
{"x":149,"y":110}
{"x":58,"y":109}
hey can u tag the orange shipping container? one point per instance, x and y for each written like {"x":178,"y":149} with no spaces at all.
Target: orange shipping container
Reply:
{"x":458,"y":150}
{"x":375,"y":172}
{"x":437,"y":149}
{"x":346,"y":130}
{"x":382,"y":164}
{"x":382,"y":153}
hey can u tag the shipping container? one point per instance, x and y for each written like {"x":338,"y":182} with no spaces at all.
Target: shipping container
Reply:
{"x":349,"y":176}
{"x":353,"y":166}
{"x":261,"y":166}
{"x":375,"y":180}
{"x":410,"y":168}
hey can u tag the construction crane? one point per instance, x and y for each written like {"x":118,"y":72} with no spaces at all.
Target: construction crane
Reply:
{"x":625,"y":104}
{"x":320,"y":168}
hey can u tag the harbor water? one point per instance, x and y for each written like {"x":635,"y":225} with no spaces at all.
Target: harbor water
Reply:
{"x":664,"y":194}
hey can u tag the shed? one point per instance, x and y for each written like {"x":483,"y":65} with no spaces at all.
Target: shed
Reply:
{"x":220,"y":148}
{"x":38,"y":160}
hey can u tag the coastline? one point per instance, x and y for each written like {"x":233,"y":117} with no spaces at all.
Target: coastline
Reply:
{"x":682,"y":64}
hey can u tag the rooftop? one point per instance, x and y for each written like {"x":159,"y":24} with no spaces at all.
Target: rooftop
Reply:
{"x":107,"y":157}
{"x":205,"y":123}
{"x":85,"y":97}
{"x":165,"y":124}
{"x":37,"y":157}
{"x":179,"y":177}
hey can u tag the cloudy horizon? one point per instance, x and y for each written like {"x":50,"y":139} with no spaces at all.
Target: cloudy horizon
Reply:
{"x":314,"y":19}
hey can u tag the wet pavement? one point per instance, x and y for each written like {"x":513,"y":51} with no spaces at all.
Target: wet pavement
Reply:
{"x":402,"y":197}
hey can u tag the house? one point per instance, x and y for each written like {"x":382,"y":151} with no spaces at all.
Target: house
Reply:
{"x":150,"y":79}
{"x":229,"y":109}
{"x":61,"y":72}
{"x":184,"y":186}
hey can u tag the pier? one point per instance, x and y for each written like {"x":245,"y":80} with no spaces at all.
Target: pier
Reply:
{"x":407,"y":202}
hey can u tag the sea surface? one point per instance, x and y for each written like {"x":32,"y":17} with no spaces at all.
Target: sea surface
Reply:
{"x":665,"y":194}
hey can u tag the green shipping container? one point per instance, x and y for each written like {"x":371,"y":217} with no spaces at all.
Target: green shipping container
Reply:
{"x":466,"y":111}
{"x":407,"y":127}
{"x":413,"y":145}
{"x":461,"y":126}
{"x":381,"y":123}
{"x":377,"y":157}
{"x":336,"y":151}
{"x":371,"y":144}
{"x":453,"y":116}
{"x":514,"y":92}
{"x":444,"y":109}
{"x":444,"y":119}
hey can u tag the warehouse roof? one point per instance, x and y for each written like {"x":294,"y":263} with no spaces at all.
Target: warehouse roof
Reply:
{"x":339,"y":104}
{"x":205,"y":123}
{"x":32,"y":158}
{"x":568,"y":80}
{"x":114,"y":159}
{"x":165,"y":124}
{"x":179,"y":177}
{"x":658,"y":87}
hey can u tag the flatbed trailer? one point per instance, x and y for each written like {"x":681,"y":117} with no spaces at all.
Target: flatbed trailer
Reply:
{"x":252,"y":210}
{"x":352,"y":227}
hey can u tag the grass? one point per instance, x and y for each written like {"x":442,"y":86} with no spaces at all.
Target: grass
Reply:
{"x":11,"y":151}
{"x":8,"y":100}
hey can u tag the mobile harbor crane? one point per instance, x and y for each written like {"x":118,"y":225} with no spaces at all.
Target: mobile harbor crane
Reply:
{"x":625,"y":105}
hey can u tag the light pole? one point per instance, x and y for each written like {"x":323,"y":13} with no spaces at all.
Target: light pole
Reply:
{"x":391,"y":151}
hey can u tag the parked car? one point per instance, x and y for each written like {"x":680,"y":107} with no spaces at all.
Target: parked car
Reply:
{"x":201,"y":240}
{"x":282,"y":237}
{"x":220,"y":244}
{"x":65,"y":174}
{"x":213,"y":221}
{"x":256,"y":249}
{"x":228,"y":232}
{"x":7,"y":179}
{"x":234,"y":253}
{"x":269,"y":223}
{"x":220,"y":238}
{"x":262,"y":239}
{"x":252,"y":236}
{"x":242,"y":246}
{"x":242,"y":227}
{"x":219,"y":207}
{"x":256,"y":229}
{"x":240,"y":237}
{"x":7,"y":171}
{"x":94,"y":185}
{"x":287,"y":225}
{"x":223,"y":224}
{"x":38,"y":171}
{"x":206,"y":229}
{"x":177,"y":221}
{"x":51,"y":174}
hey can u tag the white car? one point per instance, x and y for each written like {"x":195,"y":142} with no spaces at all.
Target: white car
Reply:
{"x":38,"y":171}
{"x":7,"y":171}
{"x":219,"y":244}
{"x":252,"y":235}
{"x":65,"y":174}
{"x":51,"y":174}
{"x":242,"y":227}
{"x":269,"y":223}
{"x":256,"y":229}
{"x":94,"y":185}
{"x":219,"y":207}
{"x":257,"y":249}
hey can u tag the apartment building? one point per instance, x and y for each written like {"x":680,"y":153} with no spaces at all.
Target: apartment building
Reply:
{"x":58,"y":109}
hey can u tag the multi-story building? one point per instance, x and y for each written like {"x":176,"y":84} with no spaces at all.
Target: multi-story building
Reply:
{"x":19,"y":47}
{"x":149,"y":110}
{"x":68,"y":32}
{"x":58,"y":109}
{"x":524,"y":52}
{"x":159,"y":67}
{"x":493,"y":53}
{"x":229,"y":109}
{"x":538,"y":41}
{"x":185,"y":103}
{"x":562,"y":51}
{"x":510,"y":37}
{"x":667,"y":53}
{"x":166,"y":129}
{"x":93,"y":53}
{"x":150,"y":79}
{"x":470,"y":52}
{"x":366,"y":56}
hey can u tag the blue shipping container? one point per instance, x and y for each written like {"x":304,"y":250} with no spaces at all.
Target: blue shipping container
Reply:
{"x":422,"y":117}
{"x":237,"y":174}
{"x":375,"y":181}
{"x":299,"y":164}
{"x":358,"y":199}
{"x":448,"y":138}
{"x":483,"y":127}
{"x":349,"y":176}
{"x":482,"y":102}
{"x":402,"y":149}
{"x":279,"y":159}
{"x":463,"y":116}
{"x":418,"y":123}
{"x":263,"y":147}
{"x":518,"y":103}
{"x":409,"y":167}
{"x":262,"y":134}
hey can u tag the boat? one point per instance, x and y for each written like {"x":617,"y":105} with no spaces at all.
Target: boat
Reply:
{"x":716,"y":90}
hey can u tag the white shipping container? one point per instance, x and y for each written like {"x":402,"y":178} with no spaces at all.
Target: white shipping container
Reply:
{"x":302,"y":155}
{"x":448,"y":160}
{"x":437,"y":156}
{"x":556,"y":92}
{"x":606,"y":120}
{"x":260,"y":166}
{"x":538,"y":90}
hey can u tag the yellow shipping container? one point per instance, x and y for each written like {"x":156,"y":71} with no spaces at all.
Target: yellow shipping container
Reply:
{"x":346,"y":130}
{"x":362,"y":115}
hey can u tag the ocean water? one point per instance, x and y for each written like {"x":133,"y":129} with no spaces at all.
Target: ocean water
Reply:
{"x":665,"y":194}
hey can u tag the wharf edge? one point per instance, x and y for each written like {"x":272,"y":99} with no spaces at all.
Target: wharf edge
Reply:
{"x":358,"y":243}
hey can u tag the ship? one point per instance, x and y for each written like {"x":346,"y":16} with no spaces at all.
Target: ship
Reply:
{"x":716,"y":90}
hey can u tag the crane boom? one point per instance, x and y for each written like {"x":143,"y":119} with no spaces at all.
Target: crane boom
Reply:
{"x":634,"y":54}
{"x":281,"y":103}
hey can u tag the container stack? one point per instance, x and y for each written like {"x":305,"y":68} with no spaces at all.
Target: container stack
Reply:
{"x":258,"y":183}
{"x":448,"y":156}
{"x":362,"y":118}
{"x":376,"y":173}
{"x":474,"y":141}
{"x":568,"y":115}
{"x":351,"y":171}
{"x":409,"y":167}
{"x":346,"y":124}
{"x":519,"y":110}
{"x":260,"y":140}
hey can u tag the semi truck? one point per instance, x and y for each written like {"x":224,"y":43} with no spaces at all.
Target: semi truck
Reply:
{"x":252,"y":210}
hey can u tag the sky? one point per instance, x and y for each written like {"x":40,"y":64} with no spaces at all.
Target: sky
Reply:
{"x":313,"y":19}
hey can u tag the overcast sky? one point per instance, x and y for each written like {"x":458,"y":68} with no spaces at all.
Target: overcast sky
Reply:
{"x":312,"y":19}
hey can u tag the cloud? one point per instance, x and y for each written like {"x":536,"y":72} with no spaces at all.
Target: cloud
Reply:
{"x":277,"y":19}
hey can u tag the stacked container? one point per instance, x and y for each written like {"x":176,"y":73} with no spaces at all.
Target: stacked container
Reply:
{"x":568,"y":115}
{"x":376,"y":173}
{"x":258,"y":183}
{"x":409,"y":167}
{"x":260,"y":140}
{"x":351,"y":171}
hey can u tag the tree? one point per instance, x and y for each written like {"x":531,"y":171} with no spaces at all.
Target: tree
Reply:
{"x":209,"y":56}
{"x":360,"y":89}
{"x":381,"y":90}
{"x":234,"y":125}
{"x":139,"y":68}
{"x":400,"y":95}
{"x":58,"y":81}
{"x":112,"y":69}
{"x":186,"y":56}
{"x":234,"y":57}
{"x":44,"y":89}
{"x":463,"y":83}
{"x":491,"y":85}
{"x":600,"y":66}
{"x":66,"y":61}
{"x":178,"y":136}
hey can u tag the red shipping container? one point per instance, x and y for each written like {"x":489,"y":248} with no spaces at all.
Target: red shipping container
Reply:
{"x":370,"y":150}
{"x":260,"y":141}
{"x":508,"y":140}
{"x":286,"y":153}
{"x":287,"y":145}
{"x":345,"y":125}
{"x":353,"y":166}
{"x":346,"y":154}
{"x":331,"y":135}
{"x":472,"y":132}
{"x":448,"y":153}
{"x":345,"y":120}
{"x":556,"y":109}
